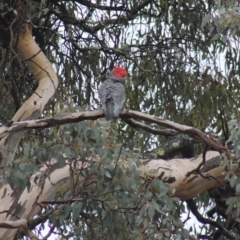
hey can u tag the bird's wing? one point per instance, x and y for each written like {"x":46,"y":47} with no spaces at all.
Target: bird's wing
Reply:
{"x":105,"y":91}
{"x":118,"y":93}
{"x":118,"y":96}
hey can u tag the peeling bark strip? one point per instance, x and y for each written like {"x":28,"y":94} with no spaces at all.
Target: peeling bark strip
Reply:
{"x":47,"y":80}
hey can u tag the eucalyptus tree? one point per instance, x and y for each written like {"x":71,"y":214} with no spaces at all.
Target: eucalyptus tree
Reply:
{"x":172,"y":154}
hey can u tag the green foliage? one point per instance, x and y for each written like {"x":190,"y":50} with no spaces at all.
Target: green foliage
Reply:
{"x":183,"y":64}
{"x":107,"y":198}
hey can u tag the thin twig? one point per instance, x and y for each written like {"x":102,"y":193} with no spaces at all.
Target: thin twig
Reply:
{"x":192,"y":206}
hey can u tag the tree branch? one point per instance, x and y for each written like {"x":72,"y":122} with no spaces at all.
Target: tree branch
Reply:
{"x":137,"y":124}
{"x":171,"y":172}
{"x":123,"y":19}
{"x":47,"y":79}
{"x":101,"y":24}
{"x":191,"y":131}
{"x":88,"y":3}
{"x":192,"y":206}
{"x":22,"y":224}
{"x":179,"y":144}
{"x":125,"y":115}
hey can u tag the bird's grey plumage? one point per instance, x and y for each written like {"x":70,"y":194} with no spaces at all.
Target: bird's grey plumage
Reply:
{"x":112,"y":96}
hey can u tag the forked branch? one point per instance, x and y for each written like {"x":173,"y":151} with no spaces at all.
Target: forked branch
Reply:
{"x":129,"y":116}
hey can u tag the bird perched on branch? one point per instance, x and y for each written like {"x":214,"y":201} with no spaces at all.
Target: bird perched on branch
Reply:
{"x":112,"y":93}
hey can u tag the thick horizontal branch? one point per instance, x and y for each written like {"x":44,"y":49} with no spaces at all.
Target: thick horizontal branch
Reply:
{"x":13,"y":224}
{"x":171,"y":172}
{"x":125,"y":115}
{"x":174,"y":173}
{"x":51,"y":122}
{"x":21,"y":224}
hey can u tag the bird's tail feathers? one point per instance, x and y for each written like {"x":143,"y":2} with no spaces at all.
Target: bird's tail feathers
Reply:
{"x":109,"y":110}
{"x":116,"y":111}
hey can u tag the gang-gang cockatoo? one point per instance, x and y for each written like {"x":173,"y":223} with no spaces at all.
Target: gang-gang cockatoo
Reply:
{"x":112,"y":93}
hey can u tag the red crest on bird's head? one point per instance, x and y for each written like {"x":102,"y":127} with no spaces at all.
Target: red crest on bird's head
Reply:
{"x":119,"y":72}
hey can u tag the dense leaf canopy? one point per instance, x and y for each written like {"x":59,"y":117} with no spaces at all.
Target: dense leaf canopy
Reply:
{"x":183,"y":63}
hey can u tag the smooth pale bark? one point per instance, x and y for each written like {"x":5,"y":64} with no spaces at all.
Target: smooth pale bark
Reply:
{"x":28,"y":203}
{"x":42,"y":70}
{"x":188,"y":187}
{"x":46,"y":77}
